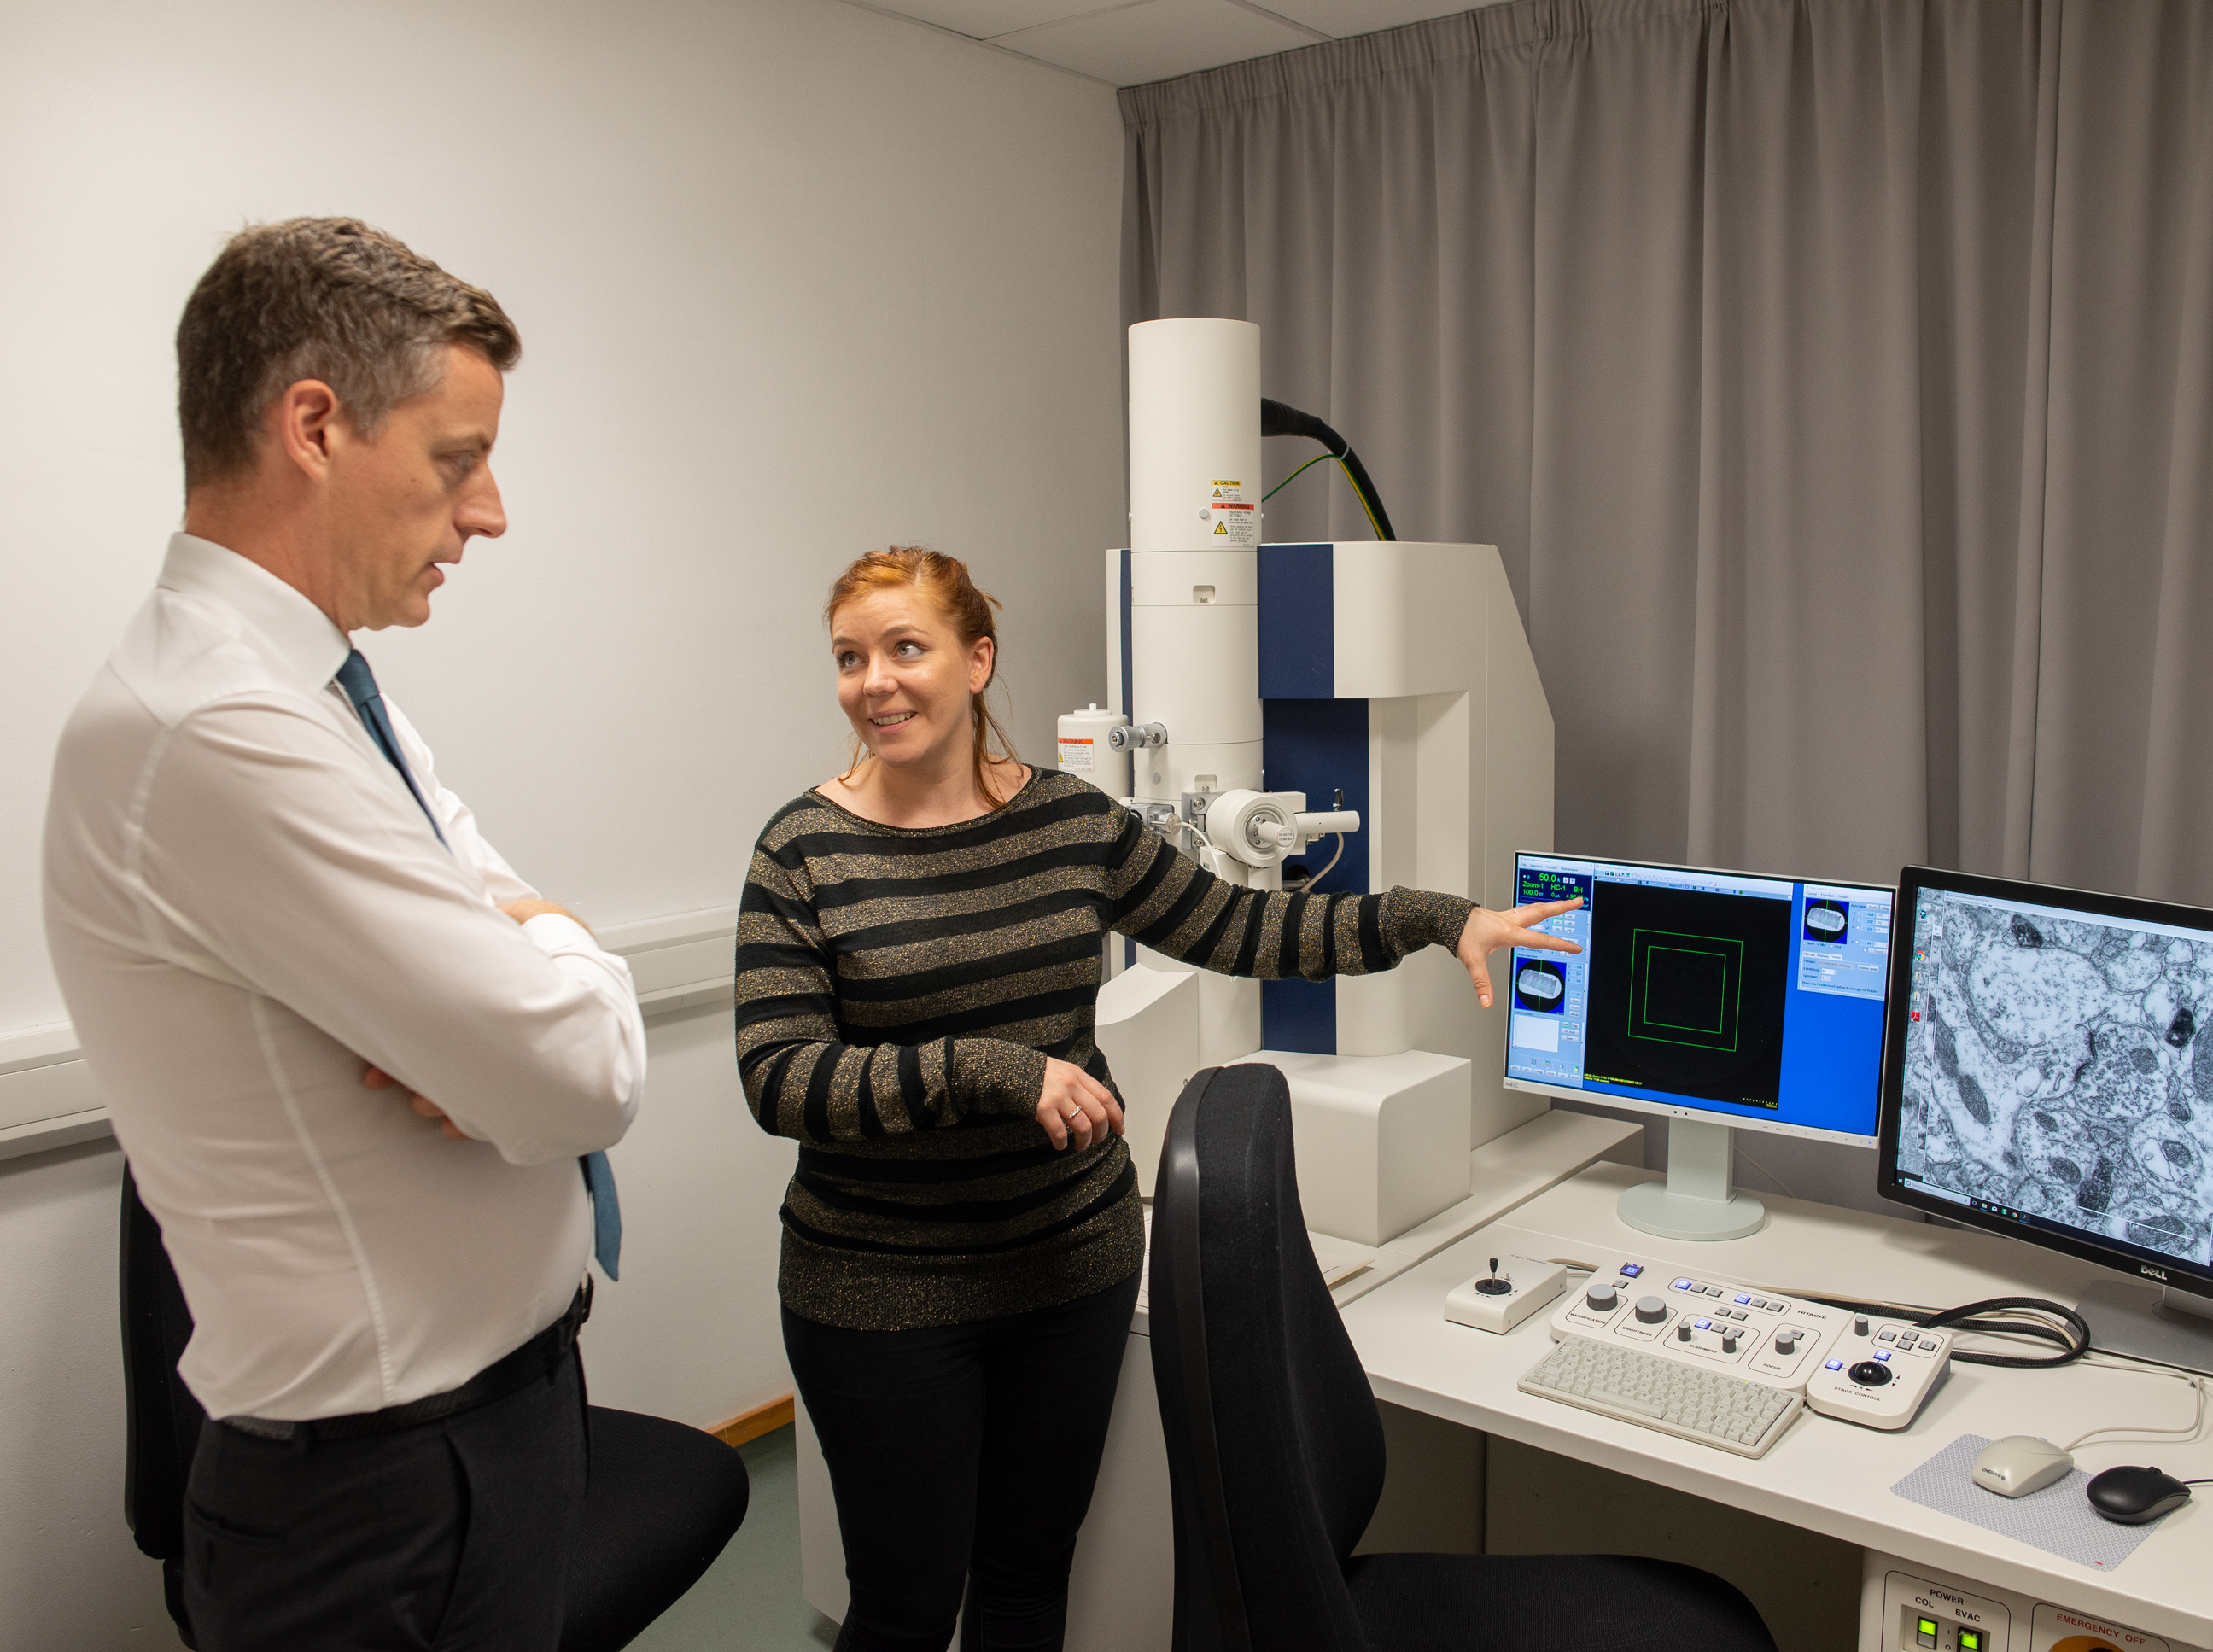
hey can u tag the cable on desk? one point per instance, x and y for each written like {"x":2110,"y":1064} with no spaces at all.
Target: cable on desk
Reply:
{"x":2196,"y":1421}
{"x":1782,"y":1184}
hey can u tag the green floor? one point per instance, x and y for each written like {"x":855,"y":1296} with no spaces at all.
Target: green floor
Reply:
{"x":749,"y":1600}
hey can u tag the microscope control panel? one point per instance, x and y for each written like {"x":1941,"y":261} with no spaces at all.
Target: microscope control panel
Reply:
{"x":1880,"y":1372}
{"x":1702,"y":1322}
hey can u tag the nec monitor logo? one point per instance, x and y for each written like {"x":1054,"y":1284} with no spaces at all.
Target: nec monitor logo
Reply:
{"x":2151,"y":1272}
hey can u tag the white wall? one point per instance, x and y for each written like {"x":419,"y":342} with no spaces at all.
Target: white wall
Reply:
{"x":793,"y":279}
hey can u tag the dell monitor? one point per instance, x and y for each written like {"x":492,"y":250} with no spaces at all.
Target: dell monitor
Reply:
{"x":2048,"y":1078}
{"x":1719,"y":1000}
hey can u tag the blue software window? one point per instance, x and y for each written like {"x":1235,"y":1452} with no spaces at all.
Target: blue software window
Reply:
{"x":1722,"y":992}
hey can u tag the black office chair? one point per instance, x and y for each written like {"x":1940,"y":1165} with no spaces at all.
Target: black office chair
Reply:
{"x":1276,"y":1449}
{"x":662,"y":1500}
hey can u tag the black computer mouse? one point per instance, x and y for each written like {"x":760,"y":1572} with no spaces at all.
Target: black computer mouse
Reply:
{"x":2133,"y":1497}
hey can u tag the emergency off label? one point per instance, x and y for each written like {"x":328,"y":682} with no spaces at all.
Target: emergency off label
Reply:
{"x":1228,"y":517}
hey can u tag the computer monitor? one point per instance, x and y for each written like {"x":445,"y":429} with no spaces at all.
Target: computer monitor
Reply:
{"x":1720,"y":1000}
{"x":2048,"y":1078}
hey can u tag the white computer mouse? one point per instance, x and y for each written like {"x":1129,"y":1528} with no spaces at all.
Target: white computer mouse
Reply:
{"x":2020,"y":1464}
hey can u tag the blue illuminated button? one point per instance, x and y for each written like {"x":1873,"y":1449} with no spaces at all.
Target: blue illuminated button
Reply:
{"x":1705,"y":1325}
{"x":1741,"y":1300}
{"x":1682,"y":1284}
{"x":1882,"y":1353}
{"x":1836,"y":1365}
{"x":1633,"y":1269}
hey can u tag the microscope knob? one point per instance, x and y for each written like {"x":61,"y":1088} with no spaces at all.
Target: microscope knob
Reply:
{"x":1728,"y":1342}
{"x":1650,"y":1310}
{"x":1682,"y":1331}
{"x":1786,"y":1342}
{"x":1859,"y":1325}
{"x":1602,"y":1299}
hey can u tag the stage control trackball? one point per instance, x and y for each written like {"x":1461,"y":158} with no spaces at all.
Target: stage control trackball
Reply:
{"x":1881,"y":1374}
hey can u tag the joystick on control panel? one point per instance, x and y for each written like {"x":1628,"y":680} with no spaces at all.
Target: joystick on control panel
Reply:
{"x":1752,"y":1334}
{"x":1882,"y":1374}
{"x":1513,"y":1288}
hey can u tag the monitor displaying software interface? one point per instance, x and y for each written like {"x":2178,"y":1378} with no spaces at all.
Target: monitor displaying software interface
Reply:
{"x":2052,"y":1073}
{"x":1722,"y":996}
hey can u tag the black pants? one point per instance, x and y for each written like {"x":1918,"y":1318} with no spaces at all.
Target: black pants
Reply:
{"x":962,"y":1457}
{"x":454,"y":1535}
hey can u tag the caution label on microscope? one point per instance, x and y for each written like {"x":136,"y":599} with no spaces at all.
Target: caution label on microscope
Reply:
{"x":1230,"y":515}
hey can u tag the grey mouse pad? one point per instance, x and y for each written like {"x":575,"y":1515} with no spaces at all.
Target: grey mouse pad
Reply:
{"x":2057,"y":1519}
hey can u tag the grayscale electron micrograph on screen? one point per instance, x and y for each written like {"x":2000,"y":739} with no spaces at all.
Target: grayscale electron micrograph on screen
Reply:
{"x":2053,"y":1066}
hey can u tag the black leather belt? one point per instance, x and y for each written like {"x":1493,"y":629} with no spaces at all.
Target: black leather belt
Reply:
{"x":503,"y":1376}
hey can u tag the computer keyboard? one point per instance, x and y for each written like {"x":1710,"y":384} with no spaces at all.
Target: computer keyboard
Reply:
{"x":1658,"y":1392}
{"x":1685,"y":1353}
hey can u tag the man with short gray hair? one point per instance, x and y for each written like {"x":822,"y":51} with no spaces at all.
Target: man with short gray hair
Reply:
{"x":362,"y":1072}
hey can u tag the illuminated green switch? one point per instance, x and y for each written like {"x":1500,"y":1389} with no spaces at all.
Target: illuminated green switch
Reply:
{"x":1970,"y":1640}
{"x":1924,"y":1632}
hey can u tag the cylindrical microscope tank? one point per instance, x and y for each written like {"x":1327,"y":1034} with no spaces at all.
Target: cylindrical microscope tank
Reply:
{"x":1085,"y":753}
{"x":1194,"y":578}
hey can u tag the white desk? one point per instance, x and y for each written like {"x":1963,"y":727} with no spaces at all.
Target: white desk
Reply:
{"x":1825,"y":1475}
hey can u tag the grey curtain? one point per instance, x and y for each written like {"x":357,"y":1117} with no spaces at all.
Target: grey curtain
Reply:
{"x":1835,"y":377}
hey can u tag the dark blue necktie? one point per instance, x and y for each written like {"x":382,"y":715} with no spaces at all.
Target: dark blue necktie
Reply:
{"x":359,"y":683}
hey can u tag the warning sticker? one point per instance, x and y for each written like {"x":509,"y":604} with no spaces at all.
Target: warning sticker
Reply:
{"x":1229,"y":515}
{"x":1076,"y":754}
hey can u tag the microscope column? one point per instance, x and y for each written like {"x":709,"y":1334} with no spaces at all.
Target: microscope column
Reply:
{"x":1195,"y":493}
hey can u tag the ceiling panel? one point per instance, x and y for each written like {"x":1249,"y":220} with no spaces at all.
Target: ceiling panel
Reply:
{"x":982,"y":18}
{"x":1155,"y":39}
{"x":1343,"y":17}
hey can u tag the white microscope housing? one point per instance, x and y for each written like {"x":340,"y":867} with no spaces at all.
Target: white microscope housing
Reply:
{"x":1379,"y":695}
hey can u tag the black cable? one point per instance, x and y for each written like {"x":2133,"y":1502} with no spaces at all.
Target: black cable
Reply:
{"x":1971,"y":1316}
{"x":1964,"y":1317}
{"x":1279,"y":418}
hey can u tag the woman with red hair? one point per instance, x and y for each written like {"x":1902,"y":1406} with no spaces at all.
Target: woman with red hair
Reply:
{"x":919,"y":955}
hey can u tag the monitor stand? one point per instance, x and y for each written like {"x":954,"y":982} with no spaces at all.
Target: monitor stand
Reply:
{"x":1698,"y":1200}
{"x":2151,"y":1322}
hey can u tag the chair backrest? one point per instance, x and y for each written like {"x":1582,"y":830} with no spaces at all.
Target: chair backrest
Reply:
{"x":161,"y":1425}
{"x":1275,"y":1449}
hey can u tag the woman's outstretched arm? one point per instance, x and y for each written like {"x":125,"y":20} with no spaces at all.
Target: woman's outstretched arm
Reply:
{"x":1170,"y":903}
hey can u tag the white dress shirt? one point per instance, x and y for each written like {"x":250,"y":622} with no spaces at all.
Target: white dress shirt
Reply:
{"x":245,"y":905}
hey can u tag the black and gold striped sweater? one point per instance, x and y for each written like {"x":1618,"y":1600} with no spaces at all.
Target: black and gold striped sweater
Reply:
{"x":898,"y":992}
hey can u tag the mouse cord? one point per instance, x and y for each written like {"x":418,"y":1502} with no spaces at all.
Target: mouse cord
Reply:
{"x":2197,"y":1420}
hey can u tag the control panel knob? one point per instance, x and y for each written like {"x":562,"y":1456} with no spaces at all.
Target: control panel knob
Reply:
{"x":1728,"y":1342}
{"x":1786,"y":1343}
{"x":1683,"y":1331}
{"x":1859,"y":1325}
{"x":1602,"y":1299}
{"x":1650,"y":1310}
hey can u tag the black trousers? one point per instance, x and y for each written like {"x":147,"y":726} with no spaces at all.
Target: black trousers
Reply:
{"x":454,"y":1535}
{"x":962,"y":1457}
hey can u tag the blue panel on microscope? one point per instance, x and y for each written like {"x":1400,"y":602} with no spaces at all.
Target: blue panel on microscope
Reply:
{"x":1318,"y":747}
{"x":1298,"y":623}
